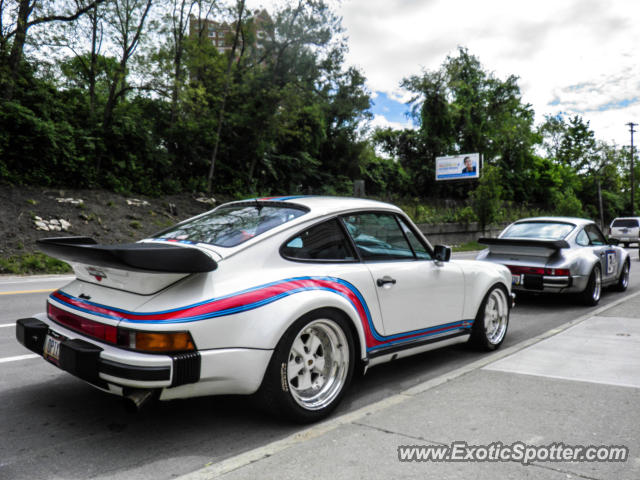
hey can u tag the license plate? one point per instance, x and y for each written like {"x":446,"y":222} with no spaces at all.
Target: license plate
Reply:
{"x":52,"y":347}
{"x":516,"y":279}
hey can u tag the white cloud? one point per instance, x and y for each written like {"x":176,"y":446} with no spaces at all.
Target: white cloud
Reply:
{"x":381,"y":122}
{"x":550,"y":45}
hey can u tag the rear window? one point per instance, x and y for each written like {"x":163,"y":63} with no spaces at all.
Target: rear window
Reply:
{"x":232,"y":225}
{"x":625,"y":223}
{"x":542,"y":230}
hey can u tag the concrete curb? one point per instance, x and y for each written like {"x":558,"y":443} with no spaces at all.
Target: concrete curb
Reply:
{"x":238,"y":461}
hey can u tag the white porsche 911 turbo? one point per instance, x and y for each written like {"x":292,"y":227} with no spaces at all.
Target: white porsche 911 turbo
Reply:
{"x":283,"y":297}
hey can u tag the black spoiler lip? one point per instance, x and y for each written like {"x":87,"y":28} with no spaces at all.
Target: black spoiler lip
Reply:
{"x":525,"y":242}
{"x":150,"y":257}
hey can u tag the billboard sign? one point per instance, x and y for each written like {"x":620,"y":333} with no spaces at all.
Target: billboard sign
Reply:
{"x":458,"y":167}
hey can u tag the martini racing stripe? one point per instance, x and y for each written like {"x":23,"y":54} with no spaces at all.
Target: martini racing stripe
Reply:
{"x":257,"y":297}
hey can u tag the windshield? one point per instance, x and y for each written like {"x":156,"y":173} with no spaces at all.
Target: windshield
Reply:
{"x":232,"y":225}
{"x":542,"y":230}
{"x":625,"y":223}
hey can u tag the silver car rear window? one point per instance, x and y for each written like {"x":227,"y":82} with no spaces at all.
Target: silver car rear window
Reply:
{"x":545,"y":230}
{"x":625,"y":223}
{"x":229,"y":226}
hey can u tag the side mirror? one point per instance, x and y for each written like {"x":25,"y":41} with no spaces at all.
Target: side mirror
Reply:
{"x":442,"y":253}
{"x":613,"y":241}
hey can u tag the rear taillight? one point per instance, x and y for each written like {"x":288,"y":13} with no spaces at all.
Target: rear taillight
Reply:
{"x":97,"y":330}
{"x":517,"y":270}
{"x":554,"y":272}
{"x":557,"y":272}
{"x":152,"y":342}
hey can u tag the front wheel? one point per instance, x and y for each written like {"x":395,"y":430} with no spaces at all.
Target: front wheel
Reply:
{"x":310,"y":369}
{"x":591,"y":295}
{"x":492,"y":320}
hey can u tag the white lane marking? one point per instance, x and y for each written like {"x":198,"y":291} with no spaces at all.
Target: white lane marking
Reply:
{"x":219,"y":469}
{"x":18,"y":358}
{"x":7,"y":325}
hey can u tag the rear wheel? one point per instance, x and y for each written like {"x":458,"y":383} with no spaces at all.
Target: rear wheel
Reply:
{"x":623,"y":279}
{"x":310,"y":368}
{"x":591,"y":295}
{"x":492,"y":320}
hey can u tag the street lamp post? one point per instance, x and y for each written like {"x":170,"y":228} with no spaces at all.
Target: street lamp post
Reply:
{"x":633,"y":183}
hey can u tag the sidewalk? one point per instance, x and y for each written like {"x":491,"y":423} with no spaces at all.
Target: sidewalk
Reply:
{"x":579,"y":387}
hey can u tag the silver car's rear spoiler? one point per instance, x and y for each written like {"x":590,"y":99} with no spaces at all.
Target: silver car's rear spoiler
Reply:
{"x":149,"y":257}
{"x":524,"y":242}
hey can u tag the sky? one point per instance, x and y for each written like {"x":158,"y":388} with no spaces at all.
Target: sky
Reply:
{"x":572,"y":57}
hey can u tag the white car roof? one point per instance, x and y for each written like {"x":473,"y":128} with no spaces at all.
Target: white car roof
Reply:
{"x":322,"y":205}
{"x":574,"y":220}
{"x":319,"y":206}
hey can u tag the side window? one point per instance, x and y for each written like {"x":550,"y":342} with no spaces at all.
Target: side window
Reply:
{"x":418,"y":247}
{"x":582,"y":238}
{"x":325,"y":241}
{"x":378,"y":236}
{"x":595,"y":237}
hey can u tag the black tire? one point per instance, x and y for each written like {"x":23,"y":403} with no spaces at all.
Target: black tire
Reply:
{"x":623,"y":279}
{"x":283,"y":396}
{"x":592,"y":293}
{"x":490,"y":336}
{"x":625,"y":244}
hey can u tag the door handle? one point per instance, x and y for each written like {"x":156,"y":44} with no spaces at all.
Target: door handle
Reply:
{"x":384,"y":280}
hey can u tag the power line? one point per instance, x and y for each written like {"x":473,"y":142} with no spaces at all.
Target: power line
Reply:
{"x":633,"y":183}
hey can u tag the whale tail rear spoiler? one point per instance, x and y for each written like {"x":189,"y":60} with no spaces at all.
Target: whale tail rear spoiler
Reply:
{"x":149,"y":257}
{"x":523,"y":247}
{"x":524,"y":242}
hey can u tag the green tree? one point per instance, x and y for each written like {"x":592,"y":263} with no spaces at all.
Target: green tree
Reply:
{"x":18,"y":17}
{"x":462,"y":108}
{"x":486,"y":199}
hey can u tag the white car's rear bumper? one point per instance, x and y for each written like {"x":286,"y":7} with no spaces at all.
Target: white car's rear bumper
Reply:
{"x":119,"y":371}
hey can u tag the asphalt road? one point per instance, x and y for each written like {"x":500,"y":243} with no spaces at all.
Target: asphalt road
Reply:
{"x":53,"y":426}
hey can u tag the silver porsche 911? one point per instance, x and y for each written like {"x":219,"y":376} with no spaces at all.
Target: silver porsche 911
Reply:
{"x":559,"y":255}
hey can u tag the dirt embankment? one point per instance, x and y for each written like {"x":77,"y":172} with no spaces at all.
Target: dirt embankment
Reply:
{"x":106,"y":216}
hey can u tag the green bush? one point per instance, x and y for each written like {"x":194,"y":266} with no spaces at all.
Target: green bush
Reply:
{"x":32,"y":263}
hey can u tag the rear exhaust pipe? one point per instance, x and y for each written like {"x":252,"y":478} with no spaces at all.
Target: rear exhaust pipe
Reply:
{"x":135,"y":400}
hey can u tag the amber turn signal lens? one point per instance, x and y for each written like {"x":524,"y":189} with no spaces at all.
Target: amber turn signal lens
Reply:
{"x":164,"y":342}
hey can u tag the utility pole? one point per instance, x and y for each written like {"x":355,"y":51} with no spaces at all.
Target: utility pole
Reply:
{"x":633,"y":183}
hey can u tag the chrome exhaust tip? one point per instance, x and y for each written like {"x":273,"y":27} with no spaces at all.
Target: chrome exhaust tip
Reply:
{"x":135,"y":400}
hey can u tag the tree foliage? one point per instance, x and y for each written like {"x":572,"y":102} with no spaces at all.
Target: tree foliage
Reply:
{"x":132,"y":95}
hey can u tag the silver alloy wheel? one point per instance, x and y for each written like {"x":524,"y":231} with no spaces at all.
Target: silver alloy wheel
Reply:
{"x":625,"y":275}
{"x":318,"y":364}
{"x":496,"y":316}
{"x":597,"y":287}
